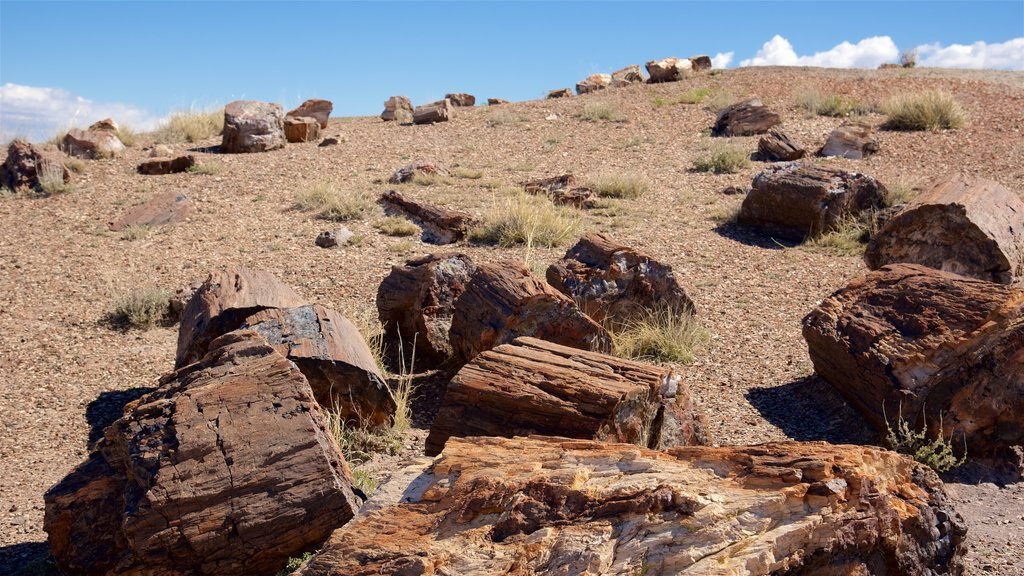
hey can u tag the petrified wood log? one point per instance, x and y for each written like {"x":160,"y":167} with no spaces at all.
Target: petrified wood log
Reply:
{"x":496,"y":101}
{"x":318,"y":109}
{"x":415,"y":303}
{"x":777,"y":146}
{"x":406,"y":173}
{"x":251,"y":126}
{"x":928,"y":344}
{"x":301,"y":129}
{"x":461,"y":99}
{"x":394,"y":105}
{"x":853,"y":141}
{"x":801,"y":201}
{"x":547,"y":506}
{"x":560,"y":93}
{"x":669,"y":69}
{"x":612,"y":281}
{"x":504,"y":302}
{"x":701,"y":63}
{"x":226,"y":469}
{"x":440,"y":225}
{"x":333,"y":357}
{"x":562,"y":190}
{"x":167,"y":208}
{"x":629,"y":75}
{"x":965,"y":225}
{"x":535,"y":387}
{"x":223,"y":302}
{"x":27,"y":165}
{"x":745,"y":119}
{"x":158,"y":166}
{"x":434,"y":112}
{"x":593,"y":83}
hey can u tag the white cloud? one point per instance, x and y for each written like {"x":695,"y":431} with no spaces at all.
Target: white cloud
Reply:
{"x":868,"y":53}
{"x":1008,"y":55}
{"x":721,"y":60}
{"x":38,"y":112}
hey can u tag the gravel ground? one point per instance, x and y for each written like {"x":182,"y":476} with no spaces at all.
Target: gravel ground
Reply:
{"x":65,"y":372}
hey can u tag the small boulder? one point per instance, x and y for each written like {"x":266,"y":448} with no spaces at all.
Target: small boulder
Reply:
{"x":326,"y":239}
{"x":251,"y":126}
{"x":745,"y":118}
{"x":853,"y":141}
{"x":777,"y":146}
{"x":560,"y":93}
{"x":796,"y":201}
{"x":28,"y":165}
{"x":627,"y":76}
{"x":301,"y":129}
{"x":159,"y":166}
{"x":669,"y":69}
{"x":562,"y":190}
{"x":461,"y":99}
{"x":163,"y":209}
{"x":99,"y":143}
{"x":593,"y":83}
{"x":320,"y":110}
{"x":393,"y":105}
{"x":496,"y":101}
{"x":405,"y":173}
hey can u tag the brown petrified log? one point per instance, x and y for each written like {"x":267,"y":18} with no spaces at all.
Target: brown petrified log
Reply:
{"x":852,"y":141}
{"x":939,"y":349}
{"x":745,"y":119}
{"x":962,"y":224}
{"x":438,"y":111}
{"x":223,"y":302}
{"x":394,"y":106}
{"x":440,"y":225}
{"x":333,"y":357}
{"x":159,"y":166}
{"x":777,"y":146}
{"x":504,"y":301}
{"x":226,"y":469}
{"x":549,"y":506}
{"x":535,"y":387}
{"x":170,"y":207}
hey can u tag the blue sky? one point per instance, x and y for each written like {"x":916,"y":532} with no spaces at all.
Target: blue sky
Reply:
{"x":67,"y":63}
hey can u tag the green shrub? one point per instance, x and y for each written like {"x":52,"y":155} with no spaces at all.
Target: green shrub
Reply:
{"x":722,"y":160}
{"x":294,"y":564}
{"x":937,"y":454}
{"x":930,"y":110}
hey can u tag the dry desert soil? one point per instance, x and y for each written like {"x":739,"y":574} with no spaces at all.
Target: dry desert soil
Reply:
{"x":65,"y":371}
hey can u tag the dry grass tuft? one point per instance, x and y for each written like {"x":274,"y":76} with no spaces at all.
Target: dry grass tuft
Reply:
{"x":332,"y":203}
{"x":126,"y":135}
{"x":597,"y":111}
{"x":206,"y":168}
{"x":421,"y":179}
{"x":527,"y":220}
{"x":835,"y":105}
{"x":722,"y":159}
{"x":467,"y":173}
{"x":627,"y":186}
{"x":76,"y":165}
{"x":663,"y":335}
{"x":694,"y":95}
{"x":930,"y":110}
{"x":848,"y":238}
{"x":192,"y":126}
{"x":143,"y":308}
{"x":716,"y":101}
{"x":136,"y":232}
{"x":397,"y":226}
{"x":899,"y":192}
{"x":51,"y":179}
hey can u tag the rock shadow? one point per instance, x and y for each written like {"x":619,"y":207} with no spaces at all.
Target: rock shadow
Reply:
{"x":107,"y":408}
{"x":27,"y":559}
{"x":751,"y":237}
{"x":809,"y":409}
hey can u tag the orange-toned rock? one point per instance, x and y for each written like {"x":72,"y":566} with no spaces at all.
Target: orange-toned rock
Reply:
{"x":222,"y":304}
{"x":535,"y":387}
{"x":301,"y":129}
{"x":593,"y":83}
{"x":333,"y":357}
{"x":226,"y":469}
{"x":432,"y":113}
{"x":550,"y":506}
{"x":700,"y":63}
{"x":940,"y":349}
{"x":461,"y":99}
{"x":319,"y":110}
{"x":394,"y":106}
{"x":503,"y":302}
{"x":160,"y":166}
{"x":406,"y":173}
{"x":167,"y":208}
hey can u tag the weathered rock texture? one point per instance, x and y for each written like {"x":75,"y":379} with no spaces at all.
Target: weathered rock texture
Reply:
{"x":797,"y":201}
{"x":503,"y":302}
{"x":434,"y":112}
{"x":611,"y":281}
{"x":222,"y":304}
{"x":440,"y":225}
{"x":301,"y":129}
{"x":562,"y":190}
{"x":965,"y":225}
{"x":535,"y":387}
{"x":405,"y":173}
{"x":777,"y":146}
{"x":547,"y":506}
{"x":393,"y":105}
{"x":226,"y":469}
{"x":99,"y":141}
{"x":853,"y":141}
{"x":320,"y":110}
{"x":167,"y":208}
{"x":669,"y":70}
{"x":415,"y":303}
{"x":496,"y":101}
{"x":27,"y":164}
{"x":928,"y":344}
{"x":251,"y":126}
{"x":160,"y":166}
{"x":700,"y":63}
{"x":461,"y":99}
{"x":628,"y":75}
{"x":745,"y":119}
{"x":593,"y":83}
{"x":333,"y":357}
{"x":560,"y":93}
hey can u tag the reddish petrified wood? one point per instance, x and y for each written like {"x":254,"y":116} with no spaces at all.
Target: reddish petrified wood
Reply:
{"x":440,"y":225}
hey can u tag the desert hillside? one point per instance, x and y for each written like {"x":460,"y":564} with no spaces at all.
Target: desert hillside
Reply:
{"x":66,"y":370}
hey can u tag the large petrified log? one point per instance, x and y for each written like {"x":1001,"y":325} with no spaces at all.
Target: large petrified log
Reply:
{"x":940,"y":349}
{"x":535,"y":387}
{"x":798,"y":201}
{"x":27,"y":166}
{"x":333,"y":357}
{"x":166,"y":165}
{"x":560,"y":93}
{"x":99,"y":141}
{"x":440,"y":225}
{"x":547,"y":506}
{"x":629,"y":75}
{"x":503,"y":302}
{"x":415,"y":303}
{"x":852,"y":141}
{"x":612,"y":281}
{"x":777,"y":146}
{"x":461,"y":99}
{"x":299,"y":129}
{"x":318,"y":109}
{"x":701,"y":63}
{"x":561,"y":190}
{"x":669,"y":69}
{"x":745,"y":119}
{"x":438,"y":111}
{"x":593,"y":83}
{"x":226,"y":469}
{"x":222,"y":304}
{"x":963,"y":224}
{"x":394,"y":106}
{"x":251,"y":126}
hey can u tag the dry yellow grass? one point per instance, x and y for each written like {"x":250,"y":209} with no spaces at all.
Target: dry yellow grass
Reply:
{"x":929,"y":110}
{"x":190,"y":126}
{"x":521,"y":219}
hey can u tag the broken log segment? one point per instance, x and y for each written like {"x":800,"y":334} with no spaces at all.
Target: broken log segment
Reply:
{"x":777,"y":146}
{"x":745,"y":119}
{"x":434,"y":112}
{"x":535,"y":387}
{"x":963,"y":224}
{"x":440,"y":225}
